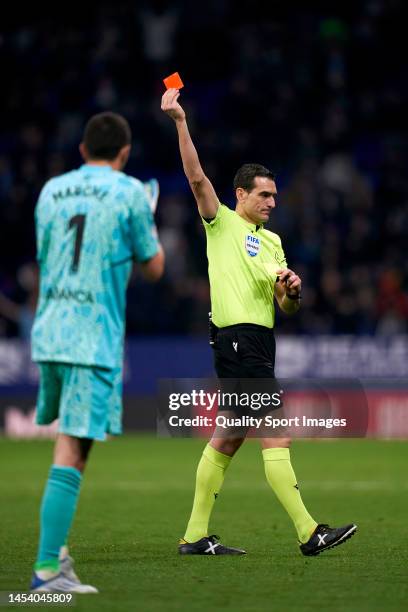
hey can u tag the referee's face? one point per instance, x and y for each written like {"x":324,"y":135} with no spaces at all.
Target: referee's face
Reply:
{"x":256,"y":205}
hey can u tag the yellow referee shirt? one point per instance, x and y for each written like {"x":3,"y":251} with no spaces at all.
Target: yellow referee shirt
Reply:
{"x":242,"y":264}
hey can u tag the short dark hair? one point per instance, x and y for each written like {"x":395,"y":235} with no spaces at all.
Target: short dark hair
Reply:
{"x":245,"y":176}
{"x":105,"y":134}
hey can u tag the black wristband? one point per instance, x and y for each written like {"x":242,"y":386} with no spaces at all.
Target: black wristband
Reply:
{"x":293,"y":297}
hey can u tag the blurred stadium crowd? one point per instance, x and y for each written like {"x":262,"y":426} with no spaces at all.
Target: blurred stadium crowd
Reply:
{"x":318,"y":95}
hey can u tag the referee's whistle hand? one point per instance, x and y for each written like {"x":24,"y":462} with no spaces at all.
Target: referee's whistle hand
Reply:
{"x":289,"y":281}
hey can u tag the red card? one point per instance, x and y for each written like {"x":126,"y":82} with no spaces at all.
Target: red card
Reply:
{"x":173,"y":81}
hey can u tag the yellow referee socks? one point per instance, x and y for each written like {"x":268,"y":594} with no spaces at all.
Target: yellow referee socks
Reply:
{"x":210,"y":476}
{"x":282,"y":479}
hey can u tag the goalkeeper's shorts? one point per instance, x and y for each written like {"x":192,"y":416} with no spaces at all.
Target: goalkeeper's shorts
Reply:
{"x":87,"y":400}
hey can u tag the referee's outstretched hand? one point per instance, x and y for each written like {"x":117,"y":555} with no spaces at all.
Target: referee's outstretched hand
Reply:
{"x":170,"y":105}
{"x":289,"y":281}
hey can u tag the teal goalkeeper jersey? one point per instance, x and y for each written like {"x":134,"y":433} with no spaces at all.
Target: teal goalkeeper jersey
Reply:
{"x":91,"y":224}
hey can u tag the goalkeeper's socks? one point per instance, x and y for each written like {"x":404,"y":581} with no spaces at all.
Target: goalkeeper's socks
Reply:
{"x":58,"y":507}
{"x":282,"y":479}
{"x":210,"y":476}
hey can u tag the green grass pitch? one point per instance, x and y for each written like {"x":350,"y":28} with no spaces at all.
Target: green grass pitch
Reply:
{"x":136,"y":500}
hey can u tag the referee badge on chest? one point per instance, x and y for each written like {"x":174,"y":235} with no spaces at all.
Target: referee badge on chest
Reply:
{"x":252,"y":245}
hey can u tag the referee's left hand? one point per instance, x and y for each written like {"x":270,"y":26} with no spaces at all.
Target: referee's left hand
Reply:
{"x":289,"y":281}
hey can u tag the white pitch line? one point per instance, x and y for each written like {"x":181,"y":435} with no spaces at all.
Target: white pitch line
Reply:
{"x":187,"y":485}
{"x":318,"y":485}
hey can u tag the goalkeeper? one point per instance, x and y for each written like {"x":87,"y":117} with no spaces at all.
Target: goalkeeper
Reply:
{"x":91,"y":224}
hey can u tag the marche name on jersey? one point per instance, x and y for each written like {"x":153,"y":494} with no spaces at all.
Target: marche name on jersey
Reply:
{"x":76,"y":295}
{"x":80,"y":190}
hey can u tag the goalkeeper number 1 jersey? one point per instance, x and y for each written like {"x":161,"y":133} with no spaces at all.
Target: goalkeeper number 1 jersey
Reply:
{"x":91,"y":224}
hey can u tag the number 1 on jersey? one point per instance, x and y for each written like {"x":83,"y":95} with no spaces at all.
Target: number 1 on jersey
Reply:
{"x":79,"y":223}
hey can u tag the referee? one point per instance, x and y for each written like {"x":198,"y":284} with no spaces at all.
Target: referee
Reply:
{"x":247,"y":269}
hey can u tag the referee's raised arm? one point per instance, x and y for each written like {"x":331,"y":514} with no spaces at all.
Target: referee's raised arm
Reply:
{"x":201,"y":186}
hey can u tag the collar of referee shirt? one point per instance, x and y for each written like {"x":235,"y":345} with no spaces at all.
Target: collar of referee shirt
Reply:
{"x":252,"y":226}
